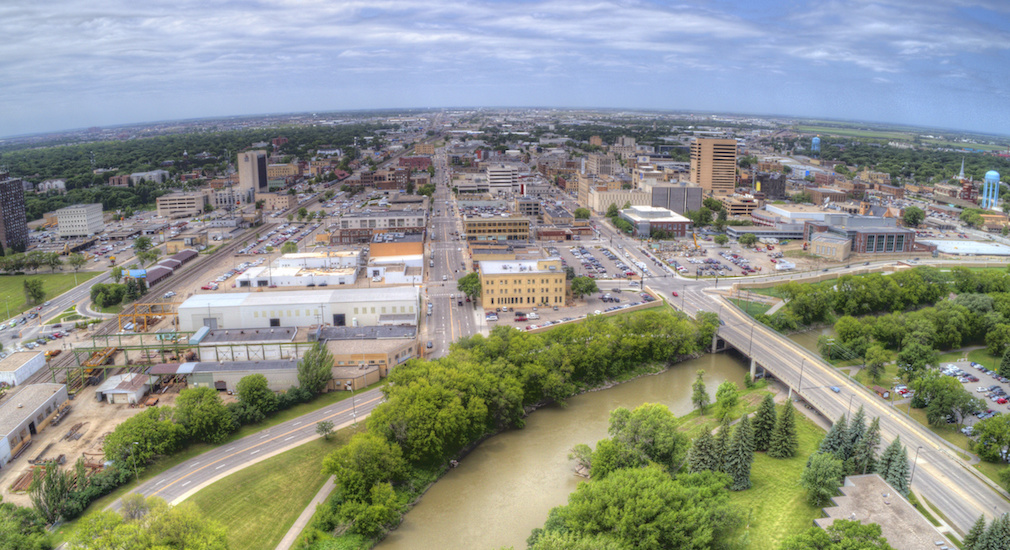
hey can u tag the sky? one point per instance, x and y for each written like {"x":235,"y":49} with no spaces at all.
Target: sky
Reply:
{"x":78,"y":63}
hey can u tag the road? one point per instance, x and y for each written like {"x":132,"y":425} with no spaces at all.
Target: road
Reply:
{"x":179,"y":482}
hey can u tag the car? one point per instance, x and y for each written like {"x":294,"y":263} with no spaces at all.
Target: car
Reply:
{"x":46,"y":304}
{"x":597,"y":312}
{"x":430,"y":344}
{"x":836,"y":389}
{"x":674,"y":292}
{"x":982,"y":389}
{"x":445,"y":278}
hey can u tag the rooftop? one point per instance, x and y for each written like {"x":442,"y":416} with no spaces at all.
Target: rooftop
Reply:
{"x":276,"y":334}
{"x":17,"y":360}
{"x":301,"y":297}
{"x":22,"y":402}
{"x":329,"y":254}
{"x":124,"y":383}
{"x":499,"y":267}
{"x":367,"y":333}
{"x":210,"y":366}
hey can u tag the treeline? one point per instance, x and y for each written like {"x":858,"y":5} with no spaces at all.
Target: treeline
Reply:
{"x":17,"y":262}
{"x":436,"y":409}
{"x":111,"y":198}
{"x":924,"y":166}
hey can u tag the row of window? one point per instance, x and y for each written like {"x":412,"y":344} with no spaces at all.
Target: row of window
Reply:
{"x":308,"y":312}
{"x":490,"y":291}
{"x":529,"y":300}
{"x":526,"y":282}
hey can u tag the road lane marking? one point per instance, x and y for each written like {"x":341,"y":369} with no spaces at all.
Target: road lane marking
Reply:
{"x":229,"y":449}
{"x":159,"y":483}
{"x":297,"y":423}
{"x":221,"y":466}
{"x":264,"y":435}
{"x":256,"y":451}
{"x":187,"y":483}
{"x":289,"y":438}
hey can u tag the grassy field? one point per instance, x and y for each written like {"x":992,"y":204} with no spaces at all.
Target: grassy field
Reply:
{"x":752,"y":308}
{"x":12,"y":288}
{"x":776,"y":506}
{"x":260,"y":503}
{"x":853,"y":132}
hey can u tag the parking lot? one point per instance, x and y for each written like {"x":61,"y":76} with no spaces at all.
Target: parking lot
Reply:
{"x":596,"y":261}
{"x":620,"y":297}
{"x":983,"y":383}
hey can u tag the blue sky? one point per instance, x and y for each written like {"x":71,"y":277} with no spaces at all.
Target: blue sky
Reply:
{"x":77,"y":63}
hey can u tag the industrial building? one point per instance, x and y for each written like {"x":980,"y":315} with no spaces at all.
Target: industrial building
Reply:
{"x":26,"y":412}
{"x":344,"y":307}
{"x":281,"y":374}
{"x":124,"y":388}
{"x":79,"y":220}
{"x":522,"y":283}
{"x":20,"y":365}
{"x":713,"y":165}
{"x":267,"y":276}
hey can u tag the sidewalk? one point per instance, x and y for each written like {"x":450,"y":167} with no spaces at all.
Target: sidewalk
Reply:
{"x":303,"y":520}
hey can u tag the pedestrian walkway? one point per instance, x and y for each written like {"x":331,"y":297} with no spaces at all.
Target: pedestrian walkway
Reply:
{"x":303,"y":520}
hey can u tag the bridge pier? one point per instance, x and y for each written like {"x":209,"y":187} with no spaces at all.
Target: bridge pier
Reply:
{"x":753,"y":368}
{"x":715,"y":341}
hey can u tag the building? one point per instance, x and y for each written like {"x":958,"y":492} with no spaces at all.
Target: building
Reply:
{"x":383,"y":347}
{"x":271,"y":276}
{"x":124,"y":389}
{"x":865,"y":234}
{"x":679,"y":198}
{"x":822,"y":195}
{"x":13,"y":223}
{"x":196,"y":241}
{"x":424,"y":148}
{"x":830,"y":246}
{"x":713,"y":165}
{"x":601,"y":165}
{"x":344,"y":307}
{"x":739,"y":205}
{"x":875,"y":177}
{"x":415,"y":163}
{"x":647,"y":219}
{"x":277,"y":201}
{"x":57,"y":186}
{"x":19,"y":366}
{"x":181,"y":205}
{"x":281,"y":374}
{"x":252,"y":174}
{"x":283,"y":171}
{"x":25,"y":413}
{"x":496,"y":228}
{"x":402,"y":221}
{"x":600,"y":201}
{"x":502,"y":179}
{"x":771,"y":185}
{"x":154,"y":176}
{"x":596,"y":141}
{"x":386,"y":179}
{"x":79,"y":220}
{"x":529,"y":207}
{"x":335,"y":259}
{"x":120,"y":181}
{"x":522,"y":283}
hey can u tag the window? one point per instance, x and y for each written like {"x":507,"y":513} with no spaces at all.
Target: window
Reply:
{"x":275,"y":322}
{"x":355,"y":311}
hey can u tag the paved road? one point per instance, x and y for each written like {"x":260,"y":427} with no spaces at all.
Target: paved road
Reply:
{"x":178,"y":483}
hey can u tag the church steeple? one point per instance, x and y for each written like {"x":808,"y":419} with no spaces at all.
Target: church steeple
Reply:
{"x":961,"y":175}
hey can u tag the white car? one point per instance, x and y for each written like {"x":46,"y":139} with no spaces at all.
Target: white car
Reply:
{"x":981,"y":389}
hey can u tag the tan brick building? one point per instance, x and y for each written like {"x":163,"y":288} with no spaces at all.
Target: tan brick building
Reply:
{"x":517,"y":283}
{"x":512,"y":228}
{"x":277,"y":201}
{"x":713,"y":165}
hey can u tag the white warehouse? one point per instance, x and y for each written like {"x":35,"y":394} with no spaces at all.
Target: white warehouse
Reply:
{"x":18,"y":366}
{"x":298,"y":308}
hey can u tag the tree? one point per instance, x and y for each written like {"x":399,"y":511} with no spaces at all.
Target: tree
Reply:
{"x":77,"y":261}
{"x":1004,"y":364}
{"x":22,"y":528}
{"x":53,"y":261}
{"x":203,"y":416}
{"x":876,"y":357}
{"x":315,"y":369}
{"x":975,"y":534}
{"x":747,"y":239}
{"x":740,"y":456}
{"x":289,"y":247}
{"x":302,"y":212}
{"x":469,"y":284}
{"x":699,"y":395}
{"x":713,"y":204}
{"x":141,"y":438}
{"x":583,"y":286}
{"x":843,"y":534}
{"x":864,"y":452}
{"x":612,"y":211}
{"x":49,"y":491}
{"x":992,"y":436}
{"x":722,"y":437}
{"x":161,"y":526}
{"x":35,"y":292}
{"x":764,"y":423}
{"x":784,"y":442}
{"x":893,"y":466}
{"x":324,"y":428}
{"x":701,"y":457}
{"x":650,"y":434}
{"x":569,"y":272}
{"x":727,"y":395}
{"x":142,"y":244}
{"x":721,"y":239}
{"x":582,"y":213}
{"x":913,"y":216}
{"x":837,"y":440}
{"x":253,"y":391}
{"x":821,"y":478}
{"x":913,"y":359}
{"x":117,"y":274}
{"x":366,"y":460}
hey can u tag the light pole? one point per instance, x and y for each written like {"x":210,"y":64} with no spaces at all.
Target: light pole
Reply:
{"x":136,"y":472}
{"x":800,"y":386}
{"x":914,"y":462}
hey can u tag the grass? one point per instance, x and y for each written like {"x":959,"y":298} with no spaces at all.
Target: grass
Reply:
{"x":776,"y":505}
{"x":752,"y":308}
{"x":108,"y":309}
{"x":852,"y":132}
{"x":166,"y":462}
{"x":54,"y":284}
{"x":914,"y":501}
{"x":890,"y":373}
{"x":69,"y":314}
{"x":260,"y":503}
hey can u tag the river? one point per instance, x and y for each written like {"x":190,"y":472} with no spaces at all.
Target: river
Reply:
{"x":505,"y":488}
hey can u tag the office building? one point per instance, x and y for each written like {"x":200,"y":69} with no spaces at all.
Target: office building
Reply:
{"x":771,"y":185}
{"x":600,"y":164}
{"x":179,"y":205}
{"x":13,"y":224}
{"x":154,"y":176}
{"x":600,"y":200}
{"x":277,"y":201}
{"x":681,"y":198}
{"x":713,"y":165}
{"x":509,"y":228}
{"x":502,"y":179}
{"x":252,"y":174}
{"x":520,"y":283}
{"x":79,"y":220}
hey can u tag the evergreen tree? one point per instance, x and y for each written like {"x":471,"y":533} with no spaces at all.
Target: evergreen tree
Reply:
{"x":701,"y":456}
{"x":864,"y":455}
{"x":998,"y":535}
{"x":1004,"y":364}
{"x":837,"y":439}
{"x":784,"y":442}
{"x":975,"y":535}
{"x":894,"y":466}
{"x":764,"y":423}
{"x":700,"y":395}
{"x":741,"y":455}
{"x":722,"y":438}
{"x":857,"y":429}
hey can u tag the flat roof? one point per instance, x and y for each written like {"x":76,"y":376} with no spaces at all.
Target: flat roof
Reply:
{"x":517,"y":267}
{"x":278,"y":334}
{"x":222,"y":366}
{"x":367,"y":333}
{"x":330,"y":254}
{"x":301,"y":297}
{"x":17,"y":360}
{"x":22,"y":402}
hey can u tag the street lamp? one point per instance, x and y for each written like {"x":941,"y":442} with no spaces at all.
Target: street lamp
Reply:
{"x":914,"y":462}
{"x":800,"y":386}
{"x":136,"y":472}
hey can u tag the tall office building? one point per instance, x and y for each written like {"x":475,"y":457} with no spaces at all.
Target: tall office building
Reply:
{"x":713,"y":165}
{"x":252,"y":174}
{"x":13,"y":225}
{"x":502,"y":179}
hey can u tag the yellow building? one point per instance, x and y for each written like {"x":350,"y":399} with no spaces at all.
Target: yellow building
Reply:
{"x":512,"y":228}
{"x":277,"y":201}
{"x":424,"y":148}
{"x":713,"y":165}
{"x":518,"y":283}
{"x":740,"y":205}
{"x":281,"y":171}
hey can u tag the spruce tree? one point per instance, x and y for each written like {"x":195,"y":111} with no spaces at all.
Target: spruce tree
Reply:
{"x":837,"y":439}
{"x":741,"y":456}
{"x":864,"y":455}
{"x":700,"y":395}
{"x":998,"y":536}
{"x":764,"y":423}
{"x":974,"y":535}
{"x":701,"y":456}
{"x":722,"y":438}
{"x":1004,"y":364}
{"x":784,"y":442}
{"x":857,"y":428}
{"x":894,"y":466}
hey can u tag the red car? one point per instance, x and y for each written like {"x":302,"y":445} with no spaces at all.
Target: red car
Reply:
{"x":1001,"y":400}
{"x":674,"y":292}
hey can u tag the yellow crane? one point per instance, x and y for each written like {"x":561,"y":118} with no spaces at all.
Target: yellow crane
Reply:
{"x":695,"y":237}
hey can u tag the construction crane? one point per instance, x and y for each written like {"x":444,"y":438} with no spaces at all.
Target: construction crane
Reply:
{"x":695,"y":237}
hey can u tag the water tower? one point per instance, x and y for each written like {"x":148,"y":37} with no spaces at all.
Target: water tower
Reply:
{"x":815,"y":145}
{"x":990,"y":191}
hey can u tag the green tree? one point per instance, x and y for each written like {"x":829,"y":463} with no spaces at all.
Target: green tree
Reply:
{"x":77,"y":261}
{"x":975,"y":534}
{"x":913,"y":359}
{"x":784,"y":442}
{"x":699,"y":395}
{"x":764,"y":423}
{"x":992,"y":436}
{"x":366,"y":460}
{"x":740,"y":456}
{"x":913,"y":216}
{"x":160,"y":526}
{"x":22,"y":529}
{"x":612,"y":211}
{"x":722,"y":438}
{"x":289,"y":247}
{"x":469,"y":284}
{"x":837,"y":440}
{"x":582,"y":213}
{"x":721,"y":240}
{"x":53,"y":261}
{"x":139,"y":439}
{"x":253,"y":392}
{"x":203,"y":416}
{"x":48,"y":492}
{"x":117,"y":274}
{"x":34,"y":290}
{"x":727,"y":396}
{"x":584,"y":286}
{"x":821,"y":478}
{"x":713,"y":204}
{"x":864,"y":451}
{"x":302,"y":212}
{"x":876,"y":358}
{"x":841,"y":535}
{"x":315,"y":369}
{"x":893,"y":466}
{"x":650,"y":433}
{"x":701,"y":457}
{"x":142,"y":244}
{"x":747,"y":239}
{"x":1004,"y":364}
{"x":324,"y":428}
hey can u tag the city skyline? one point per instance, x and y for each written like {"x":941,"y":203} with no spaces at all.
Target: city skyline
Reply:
{"x":76,"y":65}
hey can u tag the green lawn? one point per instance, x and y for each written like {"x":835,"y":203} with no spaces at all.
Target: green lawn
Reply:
{"x":260,"y":503}
{"x":776,"y":506}
{"x":752,"y":308}
{"x":13,"y":294}
{"x":853,"y":132}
